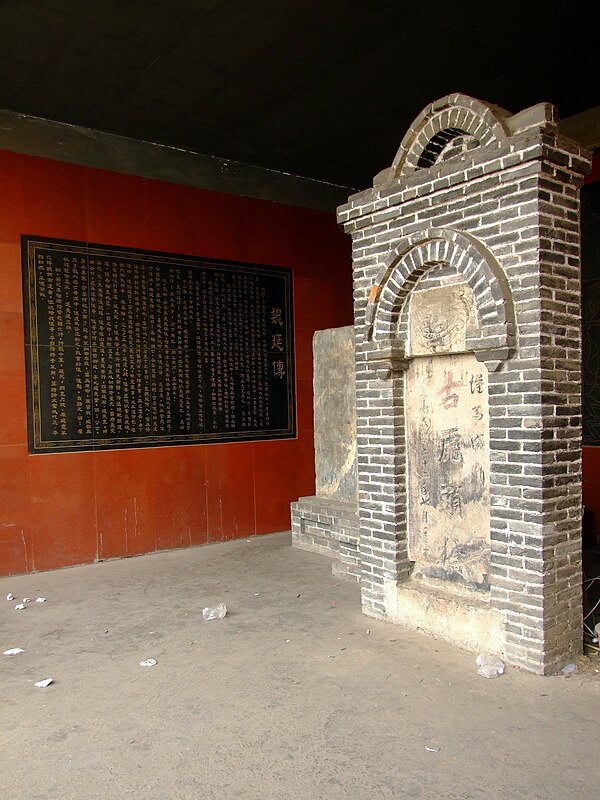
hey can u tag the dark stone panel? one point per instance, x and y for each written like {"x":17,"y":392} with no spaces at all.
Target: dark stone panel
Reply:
{"x":129,"y":348}
{"x":590,"y":309}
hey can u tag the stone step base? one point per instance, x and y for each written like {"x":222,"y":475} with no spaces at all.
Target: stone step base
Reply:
{"x":329,"y":527}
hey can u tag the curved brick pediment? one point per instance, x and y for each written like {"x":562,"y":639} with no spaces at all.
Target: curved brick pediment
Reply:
{"x":447,"y":128}
{"x":413,"y":258}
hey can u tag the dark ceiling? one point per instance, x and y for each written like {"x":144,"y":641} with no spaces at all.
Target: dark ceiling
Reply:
{"x":320,"y":89}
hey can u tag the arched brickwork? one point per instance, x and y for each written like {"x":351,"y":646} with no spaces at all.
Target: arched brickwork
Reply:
{"x":450,"y":117}
{"x":409,"y":262}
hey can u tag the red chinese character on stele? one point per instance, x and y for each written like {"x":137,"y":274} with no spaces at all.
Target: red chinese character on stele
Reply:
{"x":450,"y":398}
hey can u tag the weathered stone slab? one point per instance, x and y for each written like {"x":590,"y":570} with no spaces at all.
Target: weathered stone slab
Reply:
{"x":335,"y":413}
{"x":328,"y":522}
{"x":440,"y":318}
{"x":448,"y":470}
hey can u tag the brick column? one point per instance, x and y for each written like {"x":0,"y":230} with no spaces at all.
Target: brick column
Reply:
{"x":381,"y":480}
{"x":536,"y":469}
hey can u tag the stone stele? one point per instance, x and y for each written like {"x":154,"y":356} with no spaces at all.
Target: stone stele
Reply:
{"x":335,"y":413}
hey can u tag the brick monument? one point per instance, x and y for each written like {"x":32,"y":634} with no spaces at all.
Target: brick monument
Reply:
{"x":468,"y":358}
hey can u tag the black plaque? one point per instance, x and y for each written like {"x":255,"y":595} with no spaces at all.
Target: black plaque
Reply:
{"x":590,"y":310}
{"x":129,"y":348}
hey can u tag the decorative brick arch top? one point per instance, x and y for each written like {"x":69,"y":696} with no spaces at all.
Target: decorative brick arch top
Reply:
{"x":411,"y":260}
{"x":442,"y":121}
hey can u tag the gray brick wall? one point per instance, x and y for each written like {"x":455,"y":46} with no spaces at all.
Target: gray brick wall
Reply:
{"x":501,"y":209}
{"x":328,"y":527}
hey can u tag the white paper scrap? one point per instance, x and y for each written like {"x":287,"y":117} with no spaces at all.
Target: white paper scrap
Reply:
{"x":149,"y":662}
{"x":10,"y":596}
{"x":44,"y":683}
{"x":20,"y":607}
{"x":27,"y":599}
{"x":40,"y":600}
{"x":14,"y":651}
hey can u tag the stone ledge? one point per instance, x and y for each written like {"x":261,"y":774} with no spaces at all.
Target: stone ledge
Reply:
{"x":468,"y":622}
{"x":328,"y":527}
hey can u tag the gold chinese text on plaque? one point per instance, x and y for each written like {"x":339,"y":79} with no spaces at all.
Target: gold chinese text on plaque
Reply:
{"x":130,"y":348}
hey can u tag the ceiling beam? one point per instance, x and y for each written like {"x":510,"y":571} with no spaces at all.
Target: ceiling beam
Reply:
{"x":34,"y":136}
{"x":584,"y":128}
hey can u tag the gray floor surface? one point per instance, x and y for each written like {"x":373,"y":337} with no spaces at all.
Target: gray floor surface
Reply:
{"x":295,"y":694}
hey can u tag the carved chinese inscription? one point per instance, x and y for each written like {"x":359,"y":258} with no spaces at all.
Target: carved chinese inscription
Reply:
{"x":440,"y":318}
{"x":134,"y":349}
{"x":448,"y":469}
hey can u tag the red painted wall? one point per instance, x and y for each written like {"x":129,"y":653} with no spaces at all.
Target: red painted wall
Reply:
{"x":63,"y":509}
{"x":591,"y":455}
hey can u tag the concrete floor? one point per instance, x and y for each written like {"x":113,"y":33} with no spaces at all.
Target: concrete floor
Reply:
{"x":288,"y":697}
